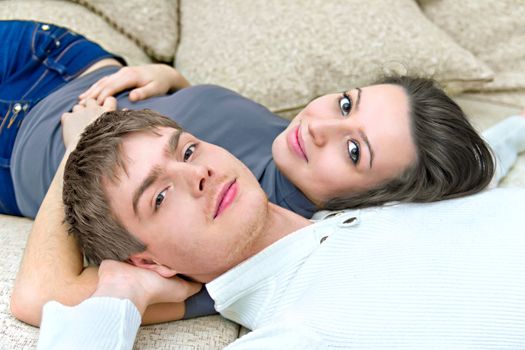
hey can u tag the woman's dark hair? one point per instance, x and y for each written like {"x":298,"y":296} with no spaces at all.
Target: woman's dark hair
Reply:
{"x":452,"y":159}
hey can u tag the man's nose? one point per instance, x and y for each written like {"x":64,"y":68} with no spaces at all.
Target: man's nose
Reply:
{"x":195,"y":176}
{"x":323,"y":129}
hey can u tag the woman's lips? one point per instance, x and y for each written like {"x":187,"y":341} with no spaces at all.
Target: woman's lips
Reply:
{"x":296,"y":143}
{"x":226,"y":197}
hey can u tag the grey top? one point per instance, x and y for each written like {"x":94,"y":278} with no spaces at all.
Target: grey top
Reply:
{"x":212,"y":113}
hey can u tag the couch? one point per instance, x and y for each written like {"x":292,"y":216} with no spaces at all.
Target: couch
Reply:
{"x":282,"y":54}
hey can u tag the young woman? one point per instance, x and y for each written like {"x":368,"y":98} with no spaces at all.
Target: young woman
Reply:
{"x":403,"y":139}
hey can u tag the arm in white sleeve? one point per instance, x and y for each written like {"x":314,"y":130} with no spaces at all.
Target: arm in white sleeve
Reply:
{"x":507,"y":140}
{"x":96,"y":323}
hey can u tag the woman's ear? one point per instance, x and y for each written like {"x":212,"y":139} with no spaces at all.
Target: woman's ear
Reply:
{"x":143,"y":261}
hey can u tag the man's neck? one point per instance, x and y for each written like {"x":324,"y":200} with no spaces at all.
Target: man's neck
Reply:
{"x":278,"y":223}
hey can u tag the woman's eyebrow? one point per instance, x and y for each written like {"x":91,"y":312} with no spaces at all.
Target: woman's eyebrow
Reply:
{"x":358,"y":98}
{"x":363,"y":135}
{"x":370,"y":150}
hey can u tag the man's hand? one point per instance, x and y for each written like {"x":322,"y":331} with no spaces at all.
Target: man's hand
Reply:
{"x":75,"y":122}
{"x":143,"y":287}
{"x":146,"y":81}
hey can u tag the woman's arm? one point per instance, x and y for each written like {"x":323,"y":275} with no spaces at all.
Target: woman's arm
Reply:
{"x":52,"y":264}
{"x":146,"y":81}
{"x":507,"y":140}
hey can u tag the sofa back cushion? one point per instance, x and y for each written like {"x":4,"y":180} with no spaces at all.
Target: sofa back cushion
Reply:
{"x":492,"y":30}
{"x":284,"y":53}
{"x":150,"y":24}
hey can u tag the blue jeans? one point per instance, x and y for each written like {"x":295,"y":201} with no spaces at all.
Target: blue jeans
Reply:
{"x":35,"y":59}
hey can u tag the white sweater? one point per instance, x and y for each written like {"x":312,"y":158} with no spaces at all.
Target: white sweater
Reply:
{"x":446,"y":275}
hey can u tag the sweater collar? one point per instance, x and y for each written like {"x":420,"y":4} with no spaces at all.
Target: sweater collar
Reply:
{"x":244,"y":294}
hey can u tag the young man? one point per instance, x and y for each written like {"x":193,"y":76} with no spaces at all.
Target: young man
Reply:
{"x":446,"y":274}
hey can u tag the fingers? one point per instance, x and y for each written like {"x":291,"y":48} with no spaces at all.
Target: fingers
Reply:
{"x":144,"y":92}
{"x":91,"y":103}
{"x":78,"y":107}
{"x":94,"y":90}
{"x":110,"y":104}
{"x":124,"y":79}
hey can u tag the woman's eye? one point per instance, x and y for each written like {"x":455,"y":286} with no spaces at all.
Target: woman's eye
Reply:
{"x":353,"y":151}
{"x":160,"y":198}
{"x":345,"y":104}
{"x":189,"y":152}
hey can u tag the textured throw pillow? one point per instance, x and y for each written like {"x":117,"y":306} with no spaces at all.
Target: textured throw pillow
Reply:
{"x":492,"y":30}
{"x":78,"y":19}
{"x":151,"y":24}
{"x":284,"y":53}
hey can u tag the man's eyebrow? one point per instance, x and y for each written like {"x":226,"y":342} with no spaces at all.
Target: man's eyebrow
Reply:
{"x":173,"y":143}
{"x":146,"y":183}
{"x":169,"y":150}
{"x":370,"y":150}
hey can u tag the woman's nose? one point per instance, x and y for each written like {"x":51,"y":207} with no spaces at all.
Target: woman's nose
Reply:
{"x":321,"y":130}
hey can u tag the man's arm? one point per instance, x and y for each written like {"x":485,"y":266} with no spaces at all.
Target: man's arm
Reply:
{"x":111,"y":317}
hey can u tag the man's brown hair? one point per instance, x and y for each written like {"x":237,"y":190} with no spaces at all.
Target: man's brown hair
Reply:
{"x":98,"y":158}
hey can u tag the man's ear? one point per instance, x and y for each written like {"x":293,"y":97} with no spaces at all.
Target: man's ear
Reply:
{"x":144,"y":261}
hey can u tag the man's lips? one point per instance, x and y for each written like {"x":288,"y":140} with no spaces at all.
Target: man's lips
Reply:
{"x":296,"y":142}
{"x":226,"y":197}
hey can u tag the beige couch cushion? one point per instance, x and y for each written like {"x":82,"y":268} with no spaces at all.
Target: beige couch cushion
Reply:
{"x":78,"y":19}
{"x":284,"y":53}
{"x":150,"y":24}
{"x":493,"y":30}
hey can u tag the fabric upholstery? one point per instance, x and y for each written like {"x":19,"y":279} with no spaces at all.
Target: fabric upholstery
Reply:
{"x":152,"y":26}
{"x":494,"y":31}
{"x":283,"y":54}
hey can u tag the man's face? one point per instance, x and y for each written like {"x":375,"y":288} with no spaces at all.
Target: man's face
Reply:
{"x":197,"y":208}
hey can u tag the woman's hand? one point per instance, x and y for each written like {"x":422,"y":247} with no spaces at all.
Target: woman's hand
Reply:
{"x":143,"y":287}
{"x":74,"y":123}
{"x":146,"y":81}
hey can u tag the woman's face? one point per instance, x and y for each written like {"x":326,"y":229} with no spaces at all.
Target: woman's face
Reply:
{"x":341,"y":144}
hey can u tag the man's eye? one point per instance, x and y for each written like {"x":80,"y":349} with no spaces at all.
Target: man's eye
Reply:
{"x":160,"y":198}
{"x":353,"y":151}
{"x":345,"y":104}
{"x":189,"y":152}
